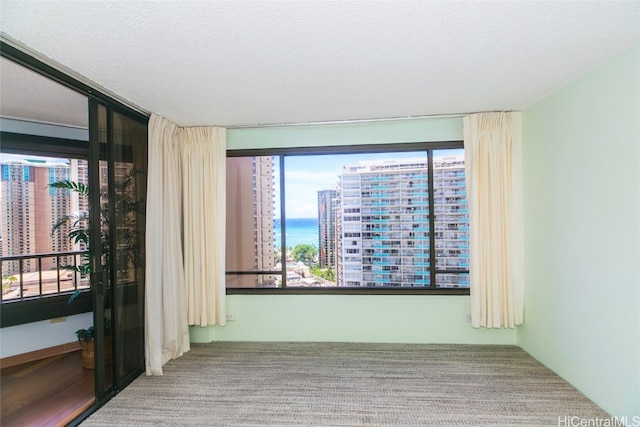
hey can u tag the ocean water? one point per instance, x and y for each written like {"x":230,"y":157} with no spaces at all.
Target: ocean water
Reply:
{"x":299,"y":230}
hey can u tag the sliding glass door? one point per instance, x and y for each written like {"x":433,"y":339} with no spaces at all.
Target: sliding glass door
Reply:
{"x":118,"y":159}
{"x":56,"y":129}
{"x":129,"y":178}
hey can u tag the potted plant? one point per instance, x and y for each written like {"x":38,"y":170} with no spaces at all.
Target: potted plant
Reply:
{"x":86,"y":340}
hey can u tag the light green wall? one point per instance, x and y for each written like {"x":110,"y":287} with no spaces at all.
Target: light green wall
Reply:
{"x":394,"y":131}
{"x":582,"y":231}
{"x":411,"y":319}
{"x":351,"y":318}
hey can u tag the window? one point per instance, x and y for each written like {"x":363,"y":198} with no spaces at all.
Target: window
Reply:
{"x":35,"y":250}
{"x":379,"y":217}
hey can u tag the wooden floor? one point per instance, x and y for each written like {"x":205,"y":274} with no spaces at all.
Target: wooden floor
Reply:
{"x":47,"y":392}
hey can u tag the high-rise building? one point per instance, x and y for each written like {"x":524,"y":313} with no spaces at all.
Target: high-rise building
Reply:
{"x":250,"y":194}
{"x":263,"y":211}
{"x":59,"y":207}
{"x":337,"y":214}
{"x":385,"y":226}
{"x":327,"y":201}
{"x":451,"y":221}
{"x":18,"y":213}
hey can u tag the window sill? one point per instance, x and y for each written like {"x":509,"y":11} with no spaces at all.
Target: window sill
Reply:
{"x":34,"y":310}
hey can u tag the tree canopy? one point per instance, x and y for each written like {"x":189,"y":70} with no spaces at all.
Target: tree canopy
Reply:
{"x":304,"y":252}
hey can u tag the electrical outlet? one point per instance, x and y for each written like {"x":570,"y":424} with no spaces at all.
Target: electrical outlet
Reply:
{"x":231,"y":316}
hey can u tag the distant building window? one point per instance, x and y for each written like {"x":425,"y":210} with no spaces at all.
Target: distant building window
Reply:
{"x":392,"y":218}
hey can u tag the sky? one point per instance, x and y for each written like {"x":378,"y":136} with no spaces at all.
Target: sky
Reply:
{"x":7,"y":156}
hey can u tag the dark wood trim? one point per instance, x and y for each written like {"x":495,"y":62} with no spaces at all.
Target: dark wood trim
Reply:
{"x":18,"y":143}
{"x":347,"y":291}
{"x":43,"y":353}
{"x":346,"y":149}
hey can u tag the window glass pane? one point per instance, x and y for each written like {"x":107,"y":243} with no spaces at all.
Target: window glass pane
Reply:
{"x":451,"y":218}
{"x":253,"y":212}
{"x":37,"y":251}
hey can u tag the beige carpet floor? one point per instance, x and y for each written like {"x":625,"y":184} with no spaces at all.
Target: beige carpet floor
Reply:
{"x":344,"y":384}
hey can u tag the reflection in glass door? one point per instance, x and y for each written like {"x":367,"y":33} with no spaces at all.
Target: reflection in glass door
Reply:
{"x":128,"y":174}
{"x":119,"y":158}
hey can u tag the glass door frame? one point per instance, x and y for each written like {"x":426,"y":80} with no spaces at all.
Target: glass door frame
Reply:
{"x":104,"y":386}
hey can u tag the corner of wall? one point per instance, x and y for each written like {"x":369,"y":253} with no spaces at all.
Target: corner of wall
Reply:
{"x":581,"y":149}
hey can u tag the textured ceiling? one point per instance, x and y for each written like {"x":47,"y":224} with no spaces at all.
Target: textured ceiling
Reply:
{"x":248,"y":63}
{"x":26,"y":94}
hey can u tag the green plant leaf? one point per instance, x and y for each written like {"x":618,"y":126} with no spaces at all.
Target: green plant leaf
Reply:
{"x":78,"y":187}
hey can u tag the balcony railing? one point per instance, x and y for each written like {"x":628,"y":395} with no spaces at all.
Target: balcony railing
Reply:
{"x":34,"y":276}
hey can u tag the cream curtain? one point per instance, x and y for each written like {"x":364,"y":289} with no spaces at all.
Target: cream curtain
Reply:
{"x":203,"y":155}
{"x":166,"y":328}
{"x":183,"y":237}
{"x":493,"y":162}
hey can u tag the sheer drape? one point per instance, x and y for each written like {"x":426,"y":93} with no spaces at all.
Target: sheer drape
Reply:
{"x":493,"y":162}
{"x":183,"y":237}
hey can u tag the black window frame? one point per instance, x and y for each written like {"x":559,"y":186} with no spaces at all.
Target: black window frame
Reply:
{"x":283,"y":152}
{"x":40,"y":308}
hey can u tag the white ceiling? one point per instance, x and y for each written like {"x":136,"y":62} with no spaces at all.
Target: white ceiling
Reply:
{"x":25,"y":94}
{"x":232,"y":63}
